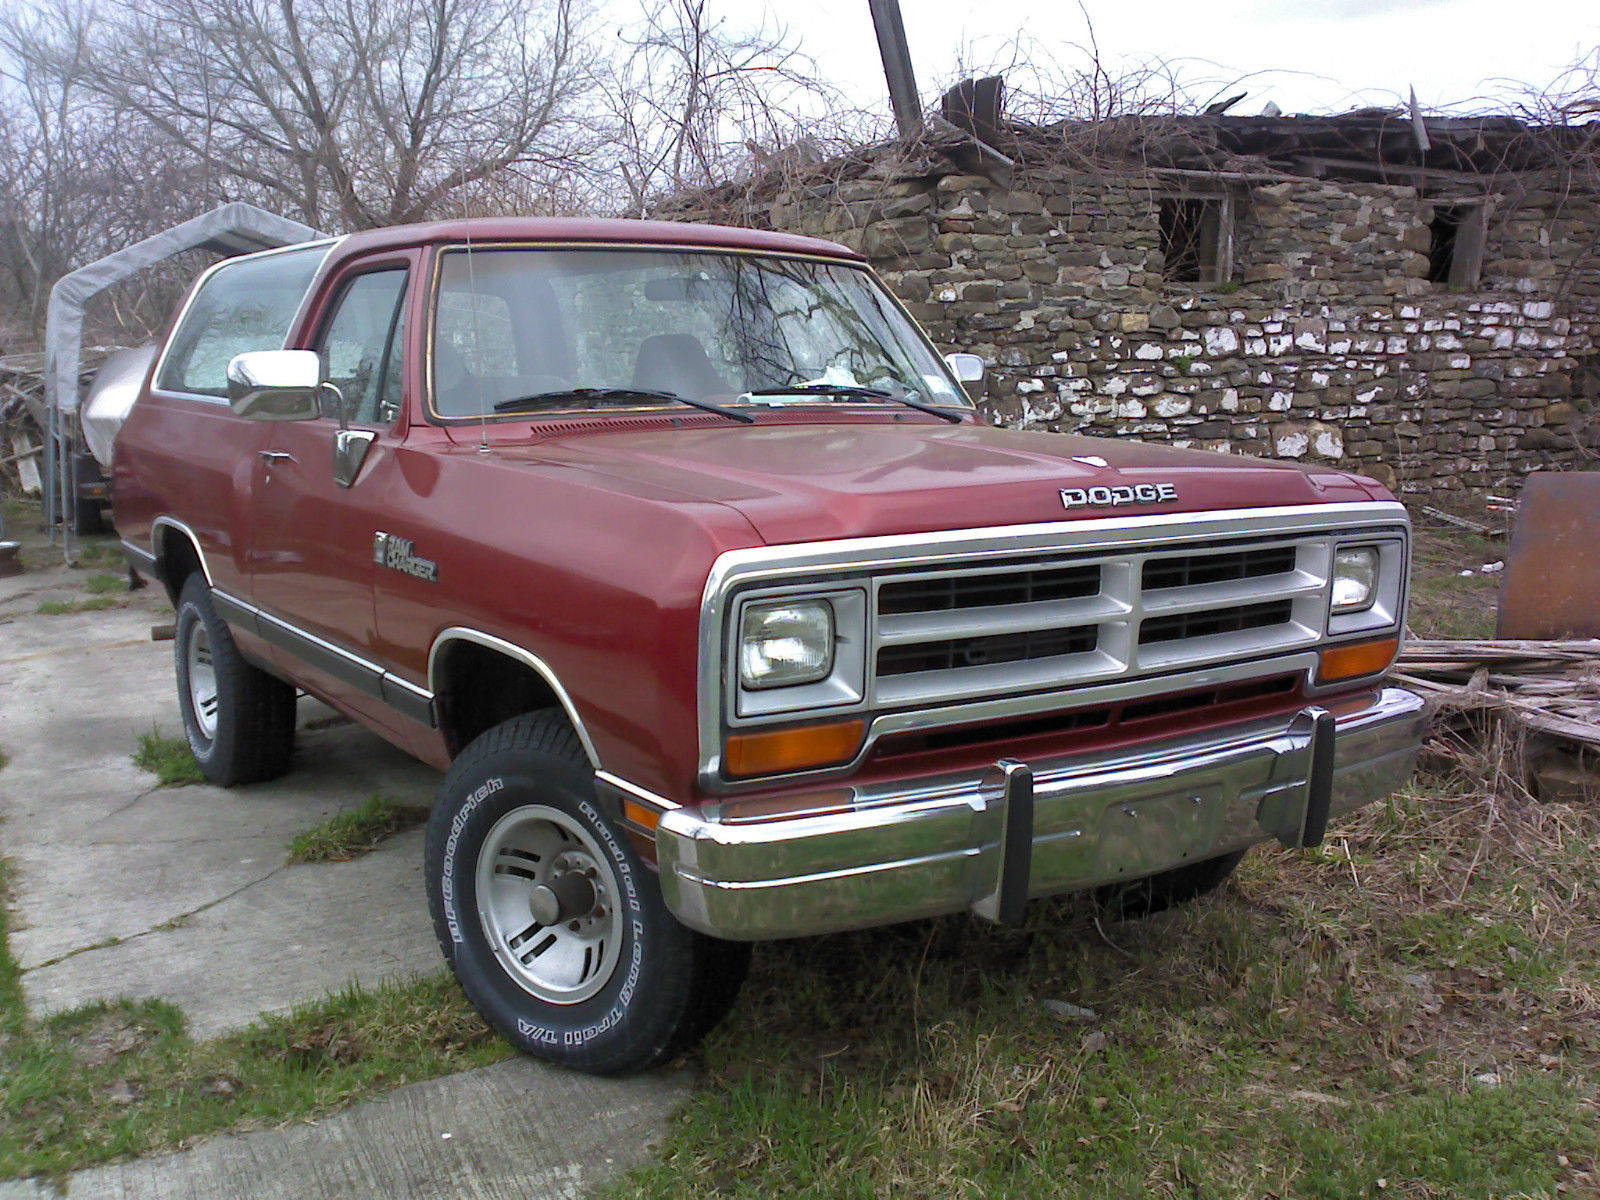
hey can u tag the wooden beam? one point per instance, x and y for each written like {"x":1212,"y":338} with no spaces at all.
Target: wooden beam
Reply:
{"x":1466,"y":259}
{"x":975,"y":156}
{"x":896,"y":56}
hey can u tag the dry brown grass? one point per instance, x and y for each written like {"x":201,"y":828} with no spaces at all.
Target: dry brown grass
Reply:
{"x":1444,"y":602}
{"x":1416,"y":1002}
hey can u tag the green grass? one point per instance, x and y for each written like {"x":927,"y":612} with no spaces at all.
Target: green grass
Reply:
{"x":101,"y":551}
{"x":56,"y":608}
{"x":169,"y":758}
{"x":103,"y":587}
{"x":12,"y":1013}
{"x":122,"y":1078}
{"x":352,"y":833}
{"x":1318,"y":1026}
{"x":105,"y":583}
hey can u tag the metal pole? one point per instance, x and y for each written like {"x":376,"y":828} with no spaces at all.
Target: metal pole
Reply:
{"x":897,"y":65}
{"x":67,"y":505}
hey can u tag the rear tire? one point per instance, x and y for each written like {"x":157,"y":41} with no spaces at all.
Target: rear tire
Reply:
{"x":1157,"y":893}
{"x":239,"y":720}
{"x":87,"y":517}
{"x":553,"y":925}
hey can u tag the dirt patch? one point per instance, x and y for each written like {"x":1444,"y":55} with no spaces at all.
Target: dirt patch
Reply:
{"x":110,"y":1036}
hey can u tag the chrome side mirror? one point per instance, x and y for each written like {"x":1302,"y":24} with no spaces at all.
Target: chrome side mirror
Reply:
{"x":276,"y":385}
{"x":968,"y":368}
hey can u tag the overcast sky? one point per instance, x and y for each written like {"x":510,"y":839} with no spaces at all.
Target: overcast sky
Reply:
{"x":1325,"y":56}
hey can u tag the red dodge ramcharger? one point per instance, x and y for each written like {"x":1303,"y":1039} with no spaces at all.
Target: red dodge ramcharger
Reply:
{"x":687,"y":558}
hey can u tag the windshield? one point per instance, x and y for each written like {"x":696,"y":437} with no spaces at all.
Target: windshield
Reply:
{"x":525,"y":330}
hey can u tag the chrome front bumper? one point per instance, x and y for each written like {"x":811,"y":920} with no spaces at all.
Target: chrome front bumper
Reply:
{"x":988,"y":840}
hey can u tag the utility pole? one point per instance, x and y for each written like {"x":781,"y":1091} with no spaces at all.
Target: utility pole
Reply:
{"x":897,"y":65}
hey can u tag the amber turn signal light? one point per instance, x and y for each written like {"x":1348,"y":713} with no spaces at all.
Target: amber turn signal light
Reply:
{"x":797,"y":749}
{"x":1353,"y":662}
{"x":645,"y":818}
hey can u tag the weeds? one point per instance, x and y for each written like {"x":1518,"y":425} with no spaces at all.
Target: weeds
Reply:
{"x":169,"y":758}
{"x":352,"y":833}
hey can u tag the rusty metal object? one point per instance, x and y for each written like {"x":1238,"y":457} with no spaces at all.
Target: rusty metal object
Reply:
{"x":1551,"y":587}
{"x":10,"y":560}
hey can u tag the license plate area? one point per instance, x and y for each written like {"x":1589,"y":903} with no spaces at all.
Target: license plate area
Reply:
{"x":1141,"y":837}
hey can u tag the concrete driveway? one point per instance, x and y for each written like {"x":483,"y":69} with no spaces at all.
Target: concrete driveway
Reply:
{"x":124,"y":888}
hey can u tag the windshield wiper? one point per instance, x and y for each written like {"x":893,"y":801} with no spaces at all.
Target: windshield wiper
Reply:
{"x":540,"y":399}
{"x":855,"y":389}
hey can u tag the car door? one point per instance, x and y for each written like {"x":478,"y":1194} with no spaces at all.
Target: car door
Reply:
{"x":189,"y":461}
{"x":323,"y":492}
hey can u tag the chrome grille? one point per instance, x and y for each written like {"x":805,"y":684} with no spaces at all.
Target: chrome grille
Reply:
{"x":1186,"y":570}
{"x":942,"y":635}
{"x":1212,"y":621}
{"x":950,"y":653}
{"x":949,"y":592}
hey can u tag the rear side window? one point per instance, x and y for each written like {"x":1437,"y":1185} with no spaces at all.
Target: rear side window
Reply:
{"x":245,"y":305}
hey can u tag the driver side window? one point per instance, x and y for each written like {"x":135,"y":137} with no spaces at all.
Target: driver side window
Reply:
{"x":361,"y":347}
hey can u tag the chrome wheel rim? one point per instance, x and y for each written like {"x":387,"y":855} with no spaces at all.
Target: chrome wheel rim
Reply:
{"x":202,"y":674}
{"x":547,"y":900}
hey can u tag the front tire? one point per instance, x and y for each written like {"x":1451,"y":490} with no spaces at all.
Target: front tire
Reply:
{"x":239,"y":720}
{"x":553,"y":925}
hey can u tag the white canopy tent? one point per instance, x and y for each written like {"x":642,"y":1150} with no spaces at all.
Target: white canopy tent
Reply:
{"x":229,"y":229}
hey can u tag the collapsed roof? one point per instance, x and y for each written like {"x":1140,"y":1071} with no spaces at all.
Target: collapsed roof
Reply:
{"x":971,"y":132}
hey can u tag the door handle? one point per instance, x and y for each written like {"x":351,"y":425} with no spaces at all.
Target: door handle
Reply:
{"x":272,"y":456}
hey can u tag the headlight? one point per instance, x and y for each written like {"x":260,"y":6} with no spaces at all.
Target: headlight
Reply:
{"x":786,"y":642}
{"x":1355,"y":578}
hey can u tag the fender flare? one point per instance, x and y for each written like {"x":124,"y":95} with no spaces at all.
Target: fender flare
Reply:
{"x":461,"y":633}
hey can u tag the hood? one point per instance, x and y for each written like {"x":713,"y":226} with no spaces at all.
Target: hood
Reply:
{"x":798,"y":482}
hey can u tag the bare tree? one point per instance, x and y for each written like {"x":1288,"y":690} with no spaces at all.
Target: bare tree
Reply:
{"x":693,"y":101}
{"x":76,"y":180}
{"x":345,"y":113}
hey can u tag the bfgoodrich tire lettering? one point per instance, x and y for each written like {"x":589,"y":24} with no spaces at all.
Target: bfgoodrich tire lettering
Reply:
{"x":553,"y":925}
{"x":239,"y":720}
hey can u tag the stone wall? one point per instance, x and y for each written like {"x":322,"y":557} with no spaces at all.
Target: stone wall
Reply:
{"x":1327,"y":342}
